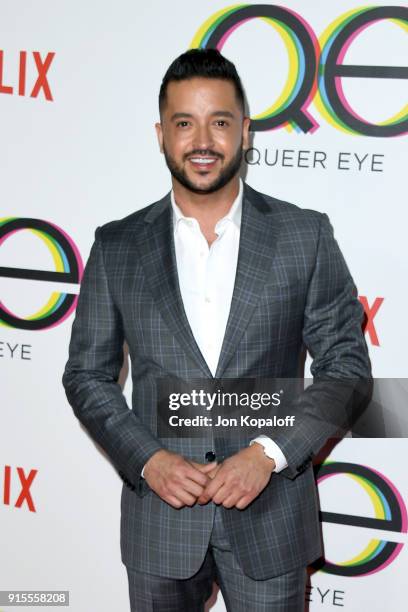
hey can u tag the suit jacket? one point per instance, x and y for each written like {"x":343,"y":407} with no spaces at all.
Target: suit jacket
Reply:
{"x":292,"y":289}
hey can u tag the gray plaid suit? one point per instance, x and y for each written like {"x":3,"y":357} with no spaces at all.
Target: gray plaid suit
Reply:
{"x":292,"y":289}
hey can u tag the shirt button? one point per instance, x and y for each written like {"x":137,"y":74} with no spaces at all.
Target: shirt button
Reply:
{"x":210,"y":456}
{"x":208,"y":300}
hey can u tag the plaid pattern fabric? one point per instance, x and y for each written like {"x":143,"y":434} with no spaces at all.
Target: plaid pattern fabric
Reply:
{"x":283,"y":593}
{"x":292,"y":289}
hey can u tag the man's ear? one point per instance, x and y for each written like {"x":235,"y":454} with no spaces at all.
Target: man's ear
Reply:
{"x":246,"y":122}
{"x":159,"y":133}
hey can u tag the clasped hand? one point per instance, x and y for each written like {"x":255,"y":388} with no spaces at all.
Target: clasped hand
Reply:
{"x":233,"y":483}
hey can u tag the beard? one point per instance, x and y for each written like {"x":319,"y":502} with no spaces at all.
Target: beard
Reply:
{"x":226,"y":174}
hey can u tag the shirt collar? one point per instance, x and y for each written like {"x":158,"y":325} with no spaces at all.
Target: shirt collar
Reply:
{"x":234,"y":214}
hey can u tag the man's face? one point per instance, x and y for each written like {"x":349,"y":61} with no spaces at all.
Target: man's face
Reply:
{"x":202,"y":133}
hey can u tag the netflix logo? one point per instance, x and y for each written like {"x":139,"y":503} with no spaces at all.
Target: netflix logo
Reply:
{"x":16,"y":81}
{"x":17,"y":480}
{"x":370,"y":312}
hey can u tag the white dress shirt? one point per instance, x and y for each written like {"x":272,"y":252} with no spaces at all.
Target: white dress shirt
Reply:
{"x":206,"y":277}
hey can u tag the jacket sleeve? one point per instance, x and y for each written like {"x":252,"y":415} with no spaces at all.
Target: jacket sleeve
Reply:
{"x":91,"y":375}
{"x":332,"y":333}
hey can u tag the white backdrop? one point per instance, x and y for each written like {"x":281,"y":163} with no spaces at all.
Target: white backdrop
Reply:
{"x":78,"y":100}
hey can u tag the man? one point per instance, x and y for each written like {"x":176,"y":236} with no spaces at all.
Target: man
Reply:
{"x":214,"y":280}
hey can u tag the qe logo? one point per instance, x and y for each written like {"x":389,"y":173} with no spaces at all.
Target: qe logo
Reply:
{"x":68,"y":269}
{"x":390,"y":515}
{"x":316,"y":66}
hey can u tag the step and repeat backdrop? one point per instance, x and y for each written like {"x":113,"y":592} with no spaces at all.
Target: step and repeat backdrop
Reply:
{"x":79,"y":81}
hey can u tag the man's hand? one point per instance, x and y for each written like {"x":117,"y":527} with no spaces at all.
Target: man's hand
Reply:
{"x":176,"y":480}
{"x":239,"y":479}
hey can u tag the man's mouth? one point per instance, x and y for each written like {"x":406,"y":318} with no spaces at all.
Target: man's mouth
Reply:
{"x":202,"y":162}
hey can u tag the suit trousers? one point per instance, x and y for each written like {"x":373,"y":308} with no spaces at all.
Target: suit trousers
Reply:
{"x":284,"y":593}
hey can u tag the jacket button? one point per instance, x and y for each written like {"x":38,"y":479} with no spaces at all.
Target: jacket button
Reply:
{"x":210,"y":456}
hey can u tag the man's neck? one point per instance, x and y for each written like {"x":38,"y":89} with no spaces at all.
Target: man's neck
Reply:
{"x":206,"y":208}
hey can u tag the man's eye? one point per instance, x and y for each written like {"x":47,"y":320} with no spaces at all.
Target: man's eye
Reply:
{"x":182,"y":123}
{"x":221,"y":123}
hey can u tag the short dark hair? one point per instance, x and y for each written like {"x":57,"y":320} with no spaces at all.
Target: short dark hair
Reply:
{"x":205,"y":63}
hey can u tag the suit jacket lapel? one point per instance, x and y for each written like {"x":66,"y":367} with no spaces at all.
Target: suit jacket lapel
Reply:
{"x":158,"y":258}
{"x":258,"y":239}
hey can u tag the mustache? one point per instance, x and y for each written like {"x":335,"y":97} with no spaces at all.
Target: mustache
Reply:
{"x":203,"y":152}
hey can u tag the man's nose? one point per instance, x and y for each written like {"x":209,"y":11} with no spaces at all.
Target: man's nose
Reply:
{"x":203,"y":138}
